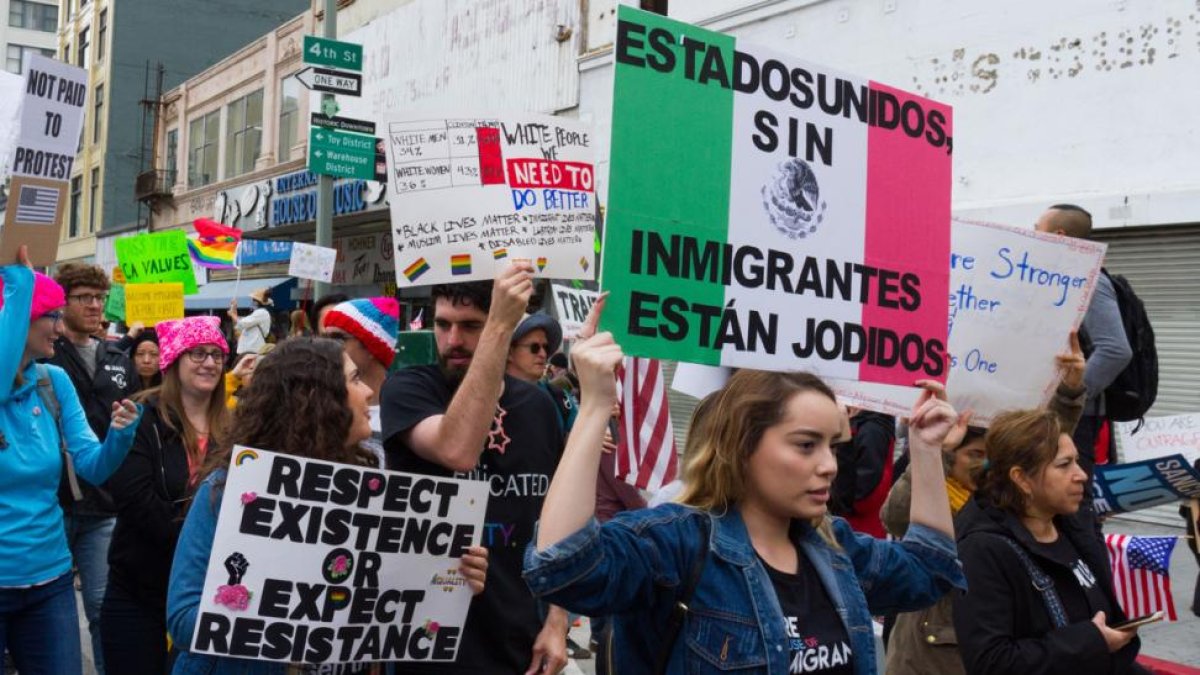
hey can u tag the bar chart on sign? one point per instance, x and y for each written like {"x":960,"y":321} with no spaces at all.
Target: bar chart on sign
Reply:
{"x":438,"y":154}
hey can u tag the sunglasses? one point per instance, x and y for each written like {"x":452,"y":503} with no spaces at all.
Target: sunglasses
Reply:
{"x":536,"y":348}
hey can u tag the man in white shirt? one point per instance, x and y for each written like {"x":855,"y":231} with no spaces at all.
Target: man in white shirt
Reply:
{"x":253,"y":328}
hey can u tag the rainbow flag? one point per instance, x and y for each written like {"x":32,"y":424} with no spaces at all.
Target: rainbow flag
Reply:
{"x":541,"y":263}
{"x":500,"y":254}
{"x":215,"y":245}
{"x":416,"y":269}
{"x":460,"y":264}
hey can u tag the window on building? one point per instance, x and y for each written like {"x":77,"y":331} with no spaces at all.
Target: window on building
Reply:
{"x":93,"y":200}
{"x":83,"y":48}
{"x":203,"y":137}
{"x":97,"y":113}
{"x":102,"y":35}
{"x":76,"y":206}
{"x":243,"y":134}
{"x":172,"y":158}
{"x":32,"y":16}
{"x":289,"y":116}
{"x":17,"y":57}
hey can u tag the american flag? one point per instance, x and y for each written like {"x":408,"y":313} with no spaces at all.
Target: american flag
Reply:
{"x":1141,"y":573}
{"x":37,"y":205}
{"x":646,"y":447}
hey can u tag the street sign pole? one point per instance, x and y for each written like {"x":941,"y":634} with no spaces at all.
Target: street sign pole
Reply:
{"x":325,"y":183}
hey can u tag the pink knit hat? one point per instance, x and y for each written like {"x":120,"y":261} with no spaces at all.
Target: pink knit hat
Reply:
{"x":47,"y":296}
{"x":178,"y":336}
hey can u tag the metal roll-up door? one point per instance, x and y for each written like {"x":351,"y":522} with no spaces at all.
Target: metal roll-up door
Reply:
{"x":1161,"y":264}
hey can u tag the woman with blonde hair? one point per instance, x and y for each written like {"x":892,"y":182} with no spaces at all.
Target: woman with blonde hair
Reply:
{"x":748,"y":570}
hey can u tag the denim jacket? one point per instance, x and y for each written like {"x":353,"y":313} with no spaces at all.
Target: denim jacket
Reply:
{"x":634,"y":566}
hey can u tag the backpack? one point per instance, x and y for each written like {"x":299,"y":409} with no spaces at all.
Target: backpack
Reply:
{"x":1130,"y":396}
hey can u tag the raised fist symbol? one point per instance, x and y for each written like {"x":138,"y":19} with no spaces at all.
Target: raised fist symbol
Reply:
{"x":236,"y":564}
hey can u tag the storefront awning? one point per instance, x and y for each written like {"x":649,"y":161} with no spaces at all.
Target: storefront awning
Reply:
{"x":217,"y":294}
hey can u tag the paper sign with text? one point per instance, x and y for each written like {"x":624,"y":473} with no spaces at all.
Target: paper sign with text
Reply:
{"x":469,"y":194}
{"x":152,"y":303}
{"x":1160,"y":436}
{"x":114,"y":306}
{"x":572,"y":306}
{"x":51,"y":118}
{"x":11,"y":87}
{"x":312,"y":262}
{"x":339,"y":563}
{"x":1015,"y":295}
{"x":158,"y":257}
{"x":751,"y":225}
{"x":1132,"y":486}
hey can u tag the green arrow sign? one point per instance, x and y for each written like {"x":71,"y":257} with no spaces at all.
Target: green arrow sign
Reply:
{"x":325,"y":52}
{"x":340,"y":153}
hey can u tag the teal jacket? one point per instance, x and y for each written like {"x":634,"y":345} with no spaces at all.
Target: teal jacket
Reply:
{"x":31,"y":522}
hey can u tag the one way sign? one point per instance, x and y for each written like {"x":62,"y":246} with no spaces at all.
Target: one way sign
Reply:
{"x":331,"y":81}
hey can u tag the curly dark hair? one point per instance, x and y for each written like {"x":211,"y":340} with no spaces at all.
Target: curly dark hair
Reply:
{"x":73,"y":275}
{"x":296,"y":405}
{"x":472,"y":293}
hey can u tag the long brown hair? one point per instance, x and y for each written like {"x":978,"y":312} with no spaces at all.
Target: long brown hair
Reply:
{"x":729,"y":428}
{"x":168,"y":398}
{"x":1027,"y":439}
{"x":295,"y":405}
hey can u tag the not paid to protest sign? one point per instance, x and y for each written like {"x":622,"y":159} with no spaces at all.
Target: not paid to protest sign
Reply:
{"x":51,"y":119}
{"x":1015,"y":295}
{"x":767,"y":212}
{"x":1158,"y":464}
{"x":158,"y":257}
{"x":318,"y":562}
{"x":152,"y":303}
{"x":470,"y":193}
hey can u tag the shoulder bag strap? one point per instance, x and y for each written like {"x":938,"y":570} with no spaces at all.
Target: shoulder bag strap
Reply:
{"x":45,"y":389}
{"x":680,"y":609}
{"x":1042,"y":583}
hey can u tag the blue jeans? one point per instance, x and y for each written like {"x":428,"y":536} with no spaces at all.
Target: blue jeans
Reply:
{"x":40,"y":628}
{"x":88,"y":538}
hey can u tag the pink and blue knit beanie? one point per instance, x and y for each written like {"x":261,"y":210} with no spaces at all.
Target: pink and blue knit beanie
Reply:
{"x":372,"y":321}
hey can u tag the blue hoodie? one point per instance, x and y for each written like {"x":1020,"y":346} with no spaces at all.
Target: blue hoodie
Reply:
{"x":31,"y":522}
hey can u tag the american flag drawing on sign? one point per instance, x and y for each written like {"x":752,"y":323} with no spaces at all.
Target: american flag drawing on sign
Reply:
{"x":646,"y":447}
{"x":1141,"y":573}
{"x":37,"y":205}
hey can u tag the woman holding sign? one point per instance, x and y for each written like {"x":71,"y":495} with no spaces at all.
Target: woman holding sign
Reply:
{"x":308,"y":401}
{"x":42,"y":426}
{"x":748,"y":570}
{"x":185,"y":415}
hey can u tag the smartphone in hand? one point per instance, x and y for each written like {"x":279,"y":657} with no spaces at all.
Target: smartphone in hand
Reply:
{"x":1137,"y":622}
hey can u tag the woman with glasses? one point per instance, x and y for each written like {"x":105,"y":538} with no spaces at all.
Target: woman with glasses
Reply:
{"x":42,"y":425}
{"x":185,"y":415}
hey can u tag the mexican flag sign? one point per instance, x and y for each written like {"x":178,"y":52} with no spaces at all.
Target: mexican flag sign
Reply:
{"x":767,"y":212}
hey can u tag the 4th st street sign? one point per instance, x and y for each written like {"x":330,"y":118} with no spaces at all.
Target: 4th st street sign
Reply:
{"x":331,"y":81}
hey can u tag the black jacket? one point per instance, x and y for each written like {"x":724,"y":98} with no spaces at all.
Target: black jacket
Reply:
{"x":151,"y":489}
{"x":115,"y":379}
{"x":1001,"y":620}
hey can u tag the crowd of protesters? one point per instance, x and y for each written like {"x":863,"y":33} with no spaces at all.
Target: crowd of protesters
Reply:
{"x":771,"y":555}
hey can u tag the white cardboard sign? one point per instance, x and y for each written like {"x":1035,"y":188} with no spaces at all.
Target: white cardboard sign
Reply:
{"x":312,"y":262}
{"x":51,"y":116}
{"x":572,"y":306}
{"x":1159,"y":437}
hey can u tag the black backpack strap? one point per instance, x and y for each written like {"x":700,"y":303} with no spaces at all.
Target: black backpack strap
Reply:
{"x":45,"y":389}
{"x":1042,"y":583}
{"x":680,"y":609}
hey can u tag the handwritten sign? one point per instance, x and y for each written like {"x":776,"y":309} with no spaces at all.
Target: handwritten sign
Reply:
{"x":572,"y":306}
{"x":749,"y":226}
{"x":340,"y":563}
{"x":159,"y":257}
{"x":151,"y":303}
{"x":114,"y":306}
{"x":1159,"y":437}
{"x":312,"y":262}
{"x":469,"y":193}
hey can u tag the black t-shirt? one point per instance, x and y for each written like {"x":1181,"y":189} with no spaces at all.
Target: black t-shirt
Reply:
{"x":1075,"y":582}
{"x":519,"y":458}
{"x":819,"y":641}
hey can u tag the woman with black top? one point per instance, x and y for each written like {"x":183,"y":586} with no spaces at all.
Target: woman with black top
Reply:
{"x":144,"y":354}
{"x":1018,"y":534}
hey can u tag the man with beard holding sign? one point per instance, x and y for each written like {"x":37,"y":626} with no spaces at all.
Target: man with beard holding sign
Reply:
{"x":465,"y":418}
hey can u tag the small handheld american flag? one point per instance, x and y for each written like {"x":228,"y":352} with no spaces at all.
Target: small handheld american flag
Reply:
{"x":1142,"y":574}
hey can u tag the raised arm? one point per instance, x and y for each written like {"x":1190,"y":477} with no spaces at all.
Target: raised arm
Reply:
{"x":931,"y":420}
{"x":1107,"y":332}
{"x":455,"y":438}
{"x":14,"y":322}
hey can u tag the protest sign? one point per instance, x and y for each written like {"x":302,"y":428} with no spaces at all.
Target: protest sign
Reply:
{"x":1015,"y":295}
{"x":114,"y":306}
{"x":312,"y":262}
{"x":35,"y":209}
{"x":158,"y":257}
{"x":51,"y":118}
{"x":572,"y":306}
{"x":151,"y":303}
{"x":11,"y":87}
{"x":338,"y":563}
{"x":771,"y":213}
{"x":1158,"y":437}
{"x":1132,"y":486}
{"x":469,"y":194}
